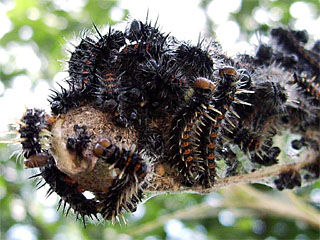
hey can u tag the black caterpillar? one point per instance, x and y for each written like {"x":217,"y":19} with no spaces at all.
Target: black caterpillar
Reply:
{"x":209,"y":102}
{"x":31,"y":131}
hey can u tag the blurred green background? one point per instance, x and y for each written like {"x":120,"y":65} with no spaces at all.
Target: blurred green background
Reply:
{"x":33,"y":37}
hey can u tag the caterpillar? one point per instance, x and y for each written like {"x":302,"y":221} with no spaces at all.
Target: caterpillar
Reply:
{"x":34,"y":131}
{"x":197,"y":129}
{"x":124,"y":192}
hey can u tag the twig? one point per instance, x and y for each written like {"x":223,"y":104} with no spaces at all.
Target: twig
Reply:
{"x":257,"y":176}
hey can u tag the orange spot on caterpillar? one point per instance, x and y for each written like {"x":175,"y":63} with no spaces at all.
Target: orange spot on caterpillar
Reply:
{"x":137,"y":166}
{"x":185,"y":136}
{"x":187,"y":152}
{"x":213,"y":135}
{"x":185,"y":144}
{"x":211,"y":145}
{"x":189,"y":159}
{"x":212,"y":166}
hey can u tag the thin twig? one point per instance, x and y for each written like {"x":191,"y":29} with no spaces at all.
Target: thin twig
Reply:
{"x":257,"y":176}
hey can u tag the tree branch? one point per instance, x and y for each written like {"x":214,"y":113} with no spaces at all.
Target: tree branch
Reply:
{"x":167,"y":184}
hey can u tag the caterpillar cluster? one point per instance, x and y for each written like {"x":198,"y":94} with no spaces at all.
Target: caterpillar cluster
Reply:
{"x":125,"y":169}
{"x":305,"y":66}
{"x":188,"y":107}
{"x":304,"y":85}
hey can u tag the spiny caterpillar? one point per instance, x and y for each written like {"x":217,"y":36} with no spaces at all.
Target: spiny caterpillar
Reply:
{"x":139,"y":99}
